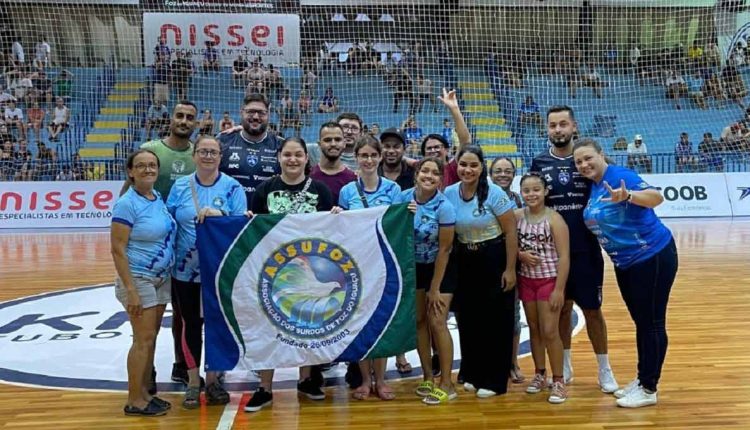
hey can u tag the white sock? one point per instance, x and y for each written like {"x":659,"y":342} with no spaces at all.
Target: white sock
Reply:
{"x":566,"y":357}
{"x":603,"y":360}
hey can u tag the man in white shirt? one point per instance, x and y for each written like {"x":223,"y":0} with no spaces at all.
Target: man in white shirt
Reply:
{"x":17,"y":55}
{"x":14,"y":118}
{"x":637,"y":154}
{"x":43,"y":50}
{"x":676,"y":87}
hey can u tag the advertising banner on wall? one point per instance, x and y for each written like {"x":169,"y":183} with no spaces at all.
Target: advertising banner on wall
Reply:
{"x":57,"y":204}
{"x":261,"y":6}
{"x":738,"y":187}
{"x":273,"y":37}
{"x":691,"y":195}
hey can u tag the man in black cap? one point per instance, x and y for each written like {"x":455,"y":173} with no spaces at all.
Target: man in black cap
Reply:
{"x":393,"y":165}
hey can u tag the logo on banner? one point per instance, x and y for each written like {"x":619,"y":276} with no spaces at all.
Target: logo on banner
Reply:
{"x":745,"y":192}
{"x":309,"y":287}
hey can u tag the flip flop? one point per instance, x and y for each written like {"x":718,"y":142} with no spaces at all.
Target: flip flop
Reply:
{"x":439,"y":396}
{"x":362,"y":392}
{"x":385,"y":392}
{"x":516,"y":376}
{"x":404,"y":368}
{"x":425,"y":388}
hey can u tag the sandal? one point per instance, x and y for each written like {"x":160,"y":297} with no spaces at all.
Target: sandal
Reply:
{"x":362,"y":392}
{"x":516,"y":376}
{"x":385,"y":392}
{"x":404,"y":368}
{"x":161,"y":403}
{"x":438,"y":396}
{"x":216,"y":395}
{"x":150,"y":410}
{"x":425,"y":388}
{"x":192,"y":398}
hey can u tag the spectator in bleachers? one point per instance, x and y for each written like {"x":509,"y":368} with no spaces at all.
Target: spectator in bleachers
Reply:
{"x":695,"y":54}
{"x":226,"y":122}
{"x":17,"y":55}
{"x":162,"y":53}
{"x":403,"y":90}
{"x":5,"y":133}
{"x":328,"y":103}
{"x":712,"y":55}
{"x":714,"y":88}
{"x":255,"y":74}
{"x":634,"y":58}
{"x":590,"y":78}
{"x":210,"y":59}
{"x":412,"y":132}
{"x":424,"y":92}
{"x":65,"y":174}
{"x":309,"y":80}
{"x":675,"y":87}
{"x":734,"y":85}
{"x":7,"y":162}
{"x":737,"y":57}
{"x":611,"y":57}
{"x":288,"y":114}
{"x":448,"y":133}
{"x":274,"y":82}
{"x":155,"y":117}
{"x":304,"y":105}
{"x":695,"y":87}
{"x":206,"y":125}
{"x":76,"y":166}
{"x":374,"y":129}
{"x":64,"y":84}
{"x":60,"y":119}
{"x":239,"y":69}
{"x":42,"y":88}
{"x":683,"y":154}
{"x":20,"y":85}
{"x":182,"y":73}
{"x":529,"y":113}
{"x":161,"y":77}
{"x":735,"y":136}
{"x":638,"y":155}
{"x":14,"y":119}
{"x":621,"y":144}
{"x":43,"y":52}
{"x":46,"y":158}
{"x":710,"y":154}
{"x":23,"y":162}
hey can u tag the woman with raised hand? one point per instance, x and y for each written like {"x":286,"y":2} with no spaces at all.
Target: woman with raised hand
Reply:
{"x":644,"y":254}
{"x":205,"y":193}
{"x":142,"y":237}
{"x":291,"y":192}
{"x":483,"y":264}
{"x":434,"y":219}
{"x":370,"y":190}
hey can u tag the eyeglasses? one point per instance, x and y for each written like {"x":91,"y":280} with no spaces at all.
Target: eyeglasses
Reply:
{"x":368,"y":156}
{"x":208,"y":153}
{"x":253,"y":112}
{"x":144,"y":166}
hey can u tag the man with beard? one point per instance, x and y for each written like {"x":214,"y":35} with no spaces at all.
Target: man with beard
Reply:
{"x":568,"y":195}
{"x":353,"y":128}
{"x":175,"y":154}
{"x":330,"y":170}
{"x":393,"y":165}
{"x":249,"y":155}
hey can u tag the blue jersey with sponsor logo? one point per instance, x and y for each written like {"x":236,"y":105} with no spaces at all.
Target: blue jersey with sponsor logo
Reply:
{"x":250,"y":163}
{"x":430,"y":216}
{"x":152,"y":231}
{"x":568,"y":195}
{"x":472,"y":224}
{"x":629,"y":233}
{"x":225,"y":194}
{"x":387,"y":193}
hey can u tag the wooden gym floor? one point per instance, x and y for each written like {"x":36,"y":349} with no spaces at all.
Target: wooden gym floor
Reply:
{"x":705,"y":383}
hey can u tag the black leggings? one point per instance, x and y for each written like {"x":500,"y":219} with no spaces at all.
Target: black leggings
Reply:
{"x":191,"y":338}
{"x":645,"y":289}
{"x":486,"y":315}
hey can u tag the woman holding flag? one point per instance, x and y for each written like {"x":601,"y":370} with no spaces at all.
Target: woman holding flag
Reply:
{"x":205,"y":193}
{"x":370,"y":190}
{"x":291,"y":192}
{"x":434,"y":219}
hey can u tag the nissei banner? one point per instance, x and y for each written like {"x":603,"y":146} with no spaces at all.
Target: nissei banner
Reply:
{"x":292,"y":290}
{"x":273,"y":37}
{"x":691,"y":195}
{"x":738,"y":187}
{"x":57,"y":204}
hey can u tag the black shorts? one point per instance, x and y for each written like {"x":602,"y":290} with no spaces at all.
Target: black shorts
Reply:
{"x":585,"y":280}
{"x":425,"y":271}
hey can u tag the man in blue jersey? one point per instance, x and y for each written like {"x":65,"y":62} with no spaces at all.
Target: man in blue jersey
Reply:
{"x":568,"y":195}
{"x":249,"y":155}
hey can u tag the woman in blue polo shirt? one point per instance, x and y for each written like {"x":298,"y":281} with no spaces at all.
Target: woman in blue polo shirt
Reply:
{"x":620,"y":213}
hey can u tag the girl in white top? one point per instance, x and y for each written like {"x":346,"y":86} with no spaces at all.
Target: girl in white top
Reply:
{"x":543,"y":250}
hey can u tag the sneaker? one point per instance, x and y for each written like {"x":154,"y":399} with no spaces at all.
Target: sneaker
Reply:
{"x":353,"y":375}
{"x":316,"y":374}
{"x":558,"y":394}
{"x":637,"y":398}
{"x":260,"y":398}
{"x":484,"y":393}
{"x":624,"y":391}
{"x":537,"y":384}
{"x":468,"y":386}
{"x":152,"y":383}
{"x":179,"y":373}
{"x":310,"y":389}
{"x":216,"y":395}
{"x":607,"y":381}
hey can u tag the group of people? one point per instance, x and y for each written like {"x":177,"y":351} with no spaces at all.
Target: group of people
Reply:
{"x":478,"y":249}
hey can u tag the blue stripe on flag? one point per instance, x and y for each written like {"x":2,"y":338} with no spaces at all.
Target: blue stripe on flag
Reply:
{"x":378,"y":323}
